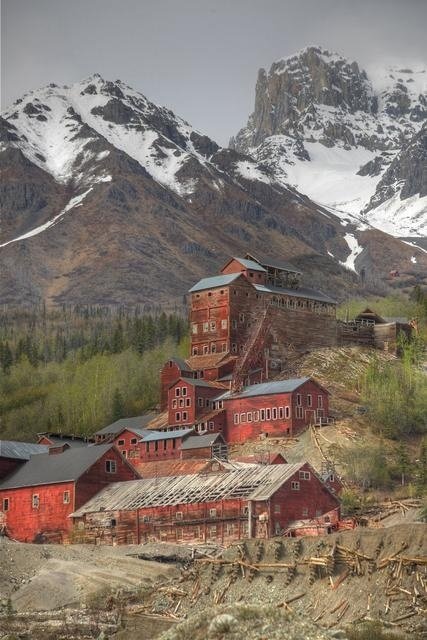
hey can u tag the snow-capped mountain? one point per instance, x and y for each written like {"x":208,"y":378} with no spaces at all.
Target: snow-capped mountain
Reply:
{"x":323,"y":126}
{"x":109,"y":198}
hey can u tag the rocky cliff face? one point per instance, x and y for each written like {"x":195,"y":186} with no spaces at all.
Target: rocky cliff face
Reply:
{"x":108,"y":198}
{"x":321,"y":125}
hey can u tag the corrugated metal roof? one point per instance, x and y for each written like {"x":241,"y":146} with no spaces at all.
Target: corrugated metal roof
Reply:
{"x":214,"y":281}
{"x":51,"y":469}
{"x":136,"y":422}
{"x":182,"y":364}
{"x":159,"y":421}
{"x":21,"y":450}
{"x":266,"y":388}
{"x":252,"y":482}
{"x":58,"y":439}
{"x":301,"y":292}
{"x":249,"y":264}
{"x":165,"y":435}
{"x":197,"y":442}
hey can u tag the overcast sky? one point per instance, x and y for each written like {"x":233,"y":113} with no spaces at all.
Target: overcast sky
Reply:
{"x":198,"y":57}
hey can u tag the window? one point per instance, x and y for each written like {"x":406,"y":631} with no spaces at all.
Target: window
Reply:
{"x":224,"y":324}
{"x":262,"y":413}
{"x":299,"y":399}
{"x":120,"y":442}
{"x":124,"y":453}
{"x":304,"y":512}
{"x":234,"y":347}
{"x":6,"y":504}
{"x":268,"y":414}
{"x":249,"y":416}
{"x":256,"y":416}
{"x":234,"y":324}
{"x":274,"y":413}
{"x":229,"y":529}
{"x":184,"y":415}
{"x":181,"y":402}
{"x":212,"y":531}
{"x":205,"y":327}
{"x":177,"y":391}
{"x":304,"y":475}
{"x":241,"y":317}
{"x":295,"y":485}
{"x":211,"y":426}
{"x":133,"y":440}
{"x":212,"y":513}
{"x":320,"y":401}
{"x":194,"y":327}
{"x":281,"y":413}
{"x":178,"y":416}
{"x":195,"y":351}
{"x":309,"y":400}
{"x":200,"y":402}
{"x":207,"y":402}
{"x":188,"y":402}
{"x":245,"y":511}
{"x":277,"y":508}
{"x":213,"y":347}
{"x":236,"y":418}
{"x":243,"y":417}
{"x":224,"y":346}
{"x":66,"y":497}
{"x":178,"y":515}
{"x":174,"y":404}
{"x":164,"y":445}
{"x":299,"y":412}
{"x":145,"y":518}
{"x":287,"y":412}
{"x":213,"y":325}
{"x":134,"y":453}
{"x":35,"y":501}
{"x":205,"y":349}
{"x":111,"y":466}
{"x":184,"y":391}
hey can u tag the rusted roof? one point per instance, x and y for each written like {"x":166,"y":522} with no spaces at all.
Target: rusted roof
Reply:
{"x":161,"y":468}
{"x":266,"y":388}
{"x":159,"y":421}
{"x":252,"y":482}
{"x":209,"y":361}
{"x":245,"y":262}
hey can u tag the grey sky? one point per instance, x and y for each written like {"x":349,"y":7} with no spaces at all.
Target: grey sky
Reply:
{"x":198,"y":57}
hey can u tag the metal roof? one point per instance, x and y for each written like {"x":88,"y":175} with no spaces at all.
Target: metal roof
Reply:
{"x":252,"y":482}
{"x":21,"y":450}
{"x":215,"y":281}
{"x":133,"y":424}
{"x":172,"y":467}
{"x":296,"y":293}
{"x":58,"y":439}
{"x":53,"y":468}
{"x":165,"y":435}
{"x":266,"y":388}
{"x":249,"y":264}
{"x":275,"y":264}
{"x":196,"y":442}
{"x":182,"y":364}
{"x":197,"y":382}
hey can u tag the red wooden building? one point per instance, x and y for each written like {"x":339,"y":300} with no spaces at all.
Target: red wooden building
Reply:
{"x":277,"y":408}
{"x":38,"y":497}
{"x":14,"y":454}
{"x":59,"y":439}
{"x":135,"y":425}
{"x":256,"y":501}
{"x":189,"y":400}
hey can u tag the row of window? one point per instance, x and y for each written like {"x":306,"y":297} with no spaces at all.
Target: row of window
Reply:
{"x":35,"y":500}
{"x":206,"y":349}
{"x":270,"y":413}
{"x":121,"y":442}
{"x":309,"y":400}
{"x":209,"y":326}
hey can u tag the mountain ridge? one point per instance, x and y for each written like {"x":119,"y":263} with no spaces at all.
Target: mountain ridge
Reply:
{"x":109,"y":198}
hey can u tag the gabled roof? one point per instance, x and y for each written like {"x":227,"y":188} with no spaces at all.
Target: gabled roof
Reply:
{"x":182,"y":364}
{"x":215,"y":281}
{"x":51,"y":469}
{"x":248,"y":264}
{"x":161,"y":468}
{"x":133,"y":424}
{"x":58,"y":439}
{"x":197,"y":442}
{"x":166,"y":435}
{"x":301,"y":292}
{"x":210,"y":360}
{"x":252,"y":482}
{"x":266,"y":388}
{"x":198,"y":382}
{"x":275,"y":264}
{"x":21,"y":450}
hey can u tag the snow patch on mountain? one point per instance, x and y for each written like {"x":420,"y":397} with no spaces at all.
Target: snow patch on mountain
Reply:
{"x":355,"y":251}
{"x":72,"y":204}
{"x":401,"y":218}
